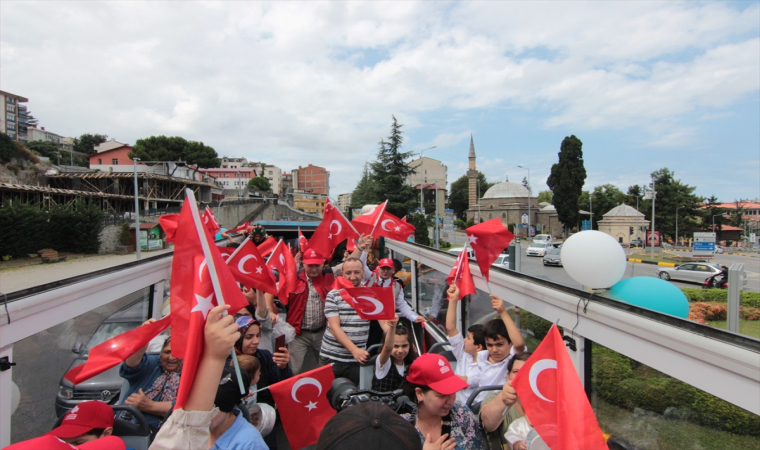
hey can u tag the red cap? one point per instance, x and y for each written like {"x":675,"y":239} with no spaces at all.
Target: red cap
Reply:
{"x":386,"y":262}
{"x":312,"y":257}
{"x":83,"y":418}
{"x":49,"y":442}
{"x":434,"y":371}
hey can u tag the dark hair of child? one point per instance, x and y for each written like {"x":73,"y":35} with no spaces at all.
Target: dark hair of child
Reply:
{"x":495,"y":328}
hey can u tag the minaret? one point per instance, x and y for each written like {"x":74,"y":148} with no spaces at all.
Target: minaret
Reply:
{"x":472,"y":174}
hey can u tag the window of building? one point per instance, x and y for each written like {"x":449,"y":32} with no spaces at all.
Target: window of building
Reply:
{"x":10,"y":100}
{"x":115,"y":161}
{"x":503,"y":215}
{"x":12,"y":135}
{"x":10,"y":126}
{"x":100,"y":161}
{"x":11,"y":117}
{"x":10,"y":108}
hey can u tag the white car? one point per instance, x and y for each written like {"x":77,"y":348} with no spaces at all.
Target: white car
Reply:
{"x":538,"y":249}
{"x":502,"y":261}
{"x":545,"y":238}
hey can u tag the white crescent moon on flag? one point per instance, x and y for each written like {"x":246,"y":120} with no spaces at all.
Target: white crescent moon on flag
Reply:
{"x":535,"y":371}
{"x":370,"y":212}
{"x":376,"y":303}
{"x":242,"y":263}
{"x":382,"y":224}
{"x":200,"y":270}
{"x":304,"y":381}
{"x":282,"y":260}
{"x":340,"y":227}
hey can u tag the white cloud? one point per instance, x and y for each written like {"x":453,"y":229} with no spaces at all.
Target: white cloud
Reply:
{"x":317,"y":82}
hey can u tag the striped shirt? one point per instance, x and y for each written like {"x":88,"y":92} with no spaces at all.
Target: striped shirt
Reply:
{"x":356,"y":329}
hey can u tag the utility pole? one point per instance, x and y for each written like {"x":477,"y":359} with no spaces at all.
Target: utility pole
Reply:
{"x":654,"y":195}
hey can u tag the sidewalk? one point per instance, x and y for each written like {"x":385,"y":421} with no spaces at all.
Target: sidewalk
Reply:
{"x":15,"y":279}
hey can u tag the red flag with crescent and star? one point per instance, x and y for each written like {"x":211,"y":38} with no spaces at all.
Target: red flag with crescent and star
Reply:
{"x":199,"y":276}
{"x":302,"y":241}
{"x":267,"y":246}
{"x":239,"y":229}
{"x":282,"y":261}
{"x":392,"y":227}
{"x":169,"y":225}
{"x":461,"y":274}
{"x":366,"y":223}
{"x":249,"y":268}
{"x":371,"y":303}
{"x":488,"y":240}
{"x":210,"y":221}
{"x":116,"y":350}
{"x":554,"y":399}
{"x":302,"y":402}
{"x":333,"y":230}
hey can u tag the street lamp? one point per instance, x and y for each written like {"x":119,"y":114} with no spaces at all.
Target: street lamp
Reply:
{"x":713,"y":221}
{"x":527,"y":235}
{"x":677,"y":224}
{"x":638,"y":228}
{"x":137,"y":210}
{"x":422,"y":205}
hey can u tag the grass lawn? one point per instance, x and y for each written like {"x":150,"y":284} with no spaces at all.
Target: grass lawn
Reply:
{"x":647,"y":430}
{"x":746,"y":327}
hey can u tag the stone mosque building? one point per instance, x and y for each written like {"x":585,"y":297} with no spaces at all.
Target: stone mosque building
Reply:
{"x":509,"y":201}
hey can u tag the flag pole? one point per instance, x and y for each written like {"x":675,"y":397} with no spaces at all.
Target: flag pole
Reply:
{"x":382,"y":210}
{"x":273,"y":251}
{"x":464,"y":250}
{"x":240,"y":247}
{"x":189,"y":196}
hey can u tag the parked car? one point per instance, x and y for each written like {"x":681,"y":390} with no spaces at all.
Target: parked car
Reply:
{"x":538,"y":249}
{"x":553,"y":258}
{"x":456,"y":251}
{"x":719,"y":249}
{"x":692,"y":272}
{"x":105,"y":387}
{"x":638,"y":242}
{"x":502,"y":261}
{"x":546,"y":238}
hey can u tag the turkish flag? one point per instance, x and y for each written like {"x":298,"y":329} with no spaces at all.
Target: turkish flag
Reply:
{"x":240,"y":228}
{"x":408,"y":225}
{"x":116,"y":350}
{"x":210,"y":221}
{"x":371,"y":303}
{"x":226,"y":252}
{"x":267,"y":246}
{"x":302,"y":241}
{"x":169,"y":225}
{"x":554,"y":400}
{"x":333,"y":230}
{"x":367,"y":222}
{"x":302,"y":402}
{"x":488,"y":240}
{"x":200,"y":280}
{"x":249,"y":268}
{"x":392,"y":227}
{"x":282,"y":261}
{"x":461,"y":273}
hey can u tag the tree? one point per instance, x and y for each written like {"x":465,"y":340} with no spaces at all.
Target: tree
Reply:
{"x":459,"y":198}
{"x":527,"y":184}
{"x":259,"y":184}
{"x":390,"y":171}
{"x":545,"y":196}
{"x":606,"y":197}
{"x":7,"y":148}
{"x":175,"y":148}
{"x":43,"y":148}
{"x":566,"y":181}
{"x":86,"y":143}
{"x":421,"y":232}
{"x":364,"y":193}
{"x":672,"y":194}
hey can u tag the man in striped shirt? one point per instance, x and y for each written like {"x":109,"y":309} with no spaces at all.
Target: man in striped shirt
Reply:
{"x":346,"y":334}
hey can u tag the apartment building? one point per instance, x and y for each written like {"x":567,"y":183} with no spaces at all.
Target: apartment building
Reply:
{"x":309,"y":202}
{"x":427,"y":171}
{"x":16,"y":119}
{"x":233,"y":163}
{"x":41,"y":134}
{"x":311,"y":178}
{"x":344,"y":202}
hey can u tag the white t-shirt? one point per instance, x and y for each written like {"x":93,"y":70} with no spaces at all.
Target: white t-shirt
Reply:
{"x":382,"y":370}
{"x":493,"y":374}
{"x":466,"y":367}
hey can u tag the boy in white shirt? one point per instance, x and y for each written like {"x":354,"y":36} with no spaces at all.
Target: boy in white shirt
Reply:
{"x":465,"y":350}
{"x":503,"y":340}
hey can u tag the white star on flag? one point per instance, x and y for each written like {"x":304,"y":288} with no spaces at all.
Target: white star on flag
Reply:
{"x":473,"y":239}
{"x":397,"y":229}
{"x":329,"y":236}
{"x":258,"y":269}
{"x":203,"y":305}
{"x":311,"y":405}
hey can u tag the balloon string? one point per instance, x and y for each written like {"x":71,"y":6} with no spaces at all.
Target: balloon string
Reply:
{"x":577,"y":315}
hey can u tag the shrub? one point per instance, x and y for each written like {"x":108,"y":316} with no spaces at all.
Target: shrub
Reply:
{"x":461,"y":224}
{"x":444,"y":244}
{"x":609,"y":369}
{"x":124,"y":234}
{"x":721,"y":296}
{"x":538,"y":325}
{"x":716,"y":413}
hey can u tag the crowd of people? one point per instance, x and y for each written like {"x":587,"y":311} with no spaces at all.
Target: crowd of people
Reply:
{"x":327,"y":330}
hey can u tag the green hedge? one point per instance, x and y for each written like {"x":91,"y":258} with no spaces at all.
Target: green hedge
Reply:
{"x":538,"y":325}
{"x":721,"y":296}
{"x":614,"y":379}
{"x":26,"y":228}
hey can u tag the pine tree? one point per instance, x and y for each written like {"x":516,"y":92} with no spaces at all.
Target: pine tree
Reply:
{"x":390,"y":172}
{"x":364,"y":193}
{"x":566,"y":181}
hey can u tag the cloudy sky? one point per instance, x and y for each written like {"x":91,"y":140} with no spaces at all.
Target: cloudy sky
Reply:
{"x":644,"y":85}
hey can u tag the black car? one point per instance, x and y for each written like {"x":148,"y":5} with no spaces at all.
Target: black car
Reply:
{"x":105,"y":387}
{"x":637,"y":242}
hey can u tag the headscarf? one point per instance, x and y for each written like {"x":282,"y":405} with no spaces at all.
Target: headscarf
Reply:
{"x":243,"y":323}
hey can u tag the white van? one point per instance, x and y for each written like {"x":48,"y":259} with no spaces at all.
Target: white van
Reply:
{"x":456,"y":251}
{"x":545,"y":238}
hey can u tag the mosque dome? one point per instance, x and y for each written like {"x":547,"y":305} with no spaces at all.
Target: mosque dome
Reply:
{"x":507,"y":189}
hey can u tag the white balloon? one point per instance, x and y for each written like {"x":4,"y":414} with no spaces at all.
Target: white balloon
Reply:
{"x":594,"y":259}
